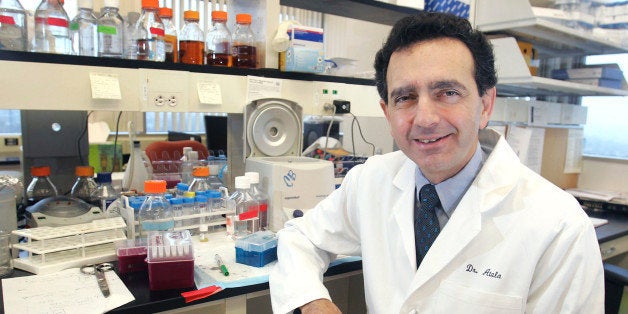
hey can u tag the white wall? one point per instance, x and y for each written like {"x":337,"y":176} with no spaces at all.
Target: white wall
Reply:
{"x":604,"y":175}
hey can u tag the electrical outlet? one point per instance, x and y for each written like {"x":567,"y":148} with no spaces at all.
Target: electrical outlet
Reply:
{"x":342,"y":106}
{"x":325,"y":94}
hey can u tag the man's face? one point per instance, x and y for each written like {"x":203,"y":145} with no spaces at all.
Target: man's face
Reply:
{"x":434,"y":108}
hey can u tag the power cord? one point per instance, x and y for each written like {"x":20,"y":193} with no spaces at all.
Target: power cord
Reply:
{"x":78,"y":143}
{"x":355,"y":119}
{"x":115,"y":143}
{"x":331,"y":122}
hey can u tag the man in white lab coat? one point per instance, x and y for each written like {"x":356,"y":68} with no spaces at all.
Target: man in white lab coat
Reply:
{"x":506,"y":240}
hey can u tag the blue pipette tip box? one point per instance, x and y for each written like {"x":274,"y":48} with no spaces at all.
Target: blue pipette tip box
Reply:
{"x":257,"y":249}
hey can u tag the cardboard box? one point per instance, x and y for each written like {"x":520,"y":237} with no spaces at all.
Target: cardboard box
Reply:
{"x":306,"y":52}
{"x":101,"y":157}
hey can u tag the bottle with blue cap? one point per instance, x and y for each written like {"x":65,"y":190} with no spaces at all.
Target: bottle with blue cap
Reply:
{"x":106,"y":194}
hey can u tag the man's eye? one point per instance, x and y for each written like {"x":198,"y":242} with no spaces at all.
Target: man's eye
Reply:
{"x":404,"y":99}
{"x":450,"y":93}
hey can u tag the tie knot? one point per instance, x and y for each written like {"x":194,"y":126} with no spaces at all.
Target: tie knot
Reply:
{"x":428,"y":197}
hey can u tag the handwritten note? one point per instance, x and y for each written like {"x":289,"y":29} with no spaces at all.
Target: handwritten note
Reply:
{"x":105,"y":86}
{"x":209,"y":93}
{"x":67,"y":291}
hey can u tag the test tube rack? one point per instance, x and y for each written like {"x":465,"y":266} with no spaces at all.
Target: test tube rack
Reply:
{"x":213,"y":219}
{"x":51,"y":249}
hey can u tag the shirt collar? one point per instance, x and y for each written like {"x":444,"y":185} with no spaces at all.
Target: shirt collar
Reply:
{"x":451,"y":190}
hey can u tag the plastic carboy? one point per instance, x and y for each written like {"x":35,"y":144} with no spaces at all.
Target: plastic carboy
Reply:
{"x":13,"y":26}
{"x":192,"y":40}
{"x":155,"y":213}
{"x":150,"y":33}
{"x":171,"y":38}
{"x":111,"y":31}
{"x":84,"y":186}
{"x":138,"y":169}
{"x":106,"y":194}
{"x":83,"y":30}
{"x":130,"y":44}
{"x":244,"y":51}
{"x":52,"y":28}
{"x":261,"y":197}
{"x":40,"y":186}
{"x":218,"y":42}
{"x":245,"y":220}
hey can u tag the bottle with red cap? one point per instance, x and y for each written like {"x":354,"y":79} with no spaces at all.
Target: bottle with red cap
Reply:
{"x":52,"y":28}
{"x":150,"y":33}
{"x":40,"y":186}
{"x":155,"y":213}
{"x":244,"y":51}
{"x":218,"y":42}
{"x":192,"y":40}
{"x":84,"y":186}
{"x":171,"y":40}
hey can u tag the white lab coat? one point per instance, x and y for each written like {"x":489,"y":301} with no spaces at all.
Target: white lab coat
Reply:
{"x":515,"y":243}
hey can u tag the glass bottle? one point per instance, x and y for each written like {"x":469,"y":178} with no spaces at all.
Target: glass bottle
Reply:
{"x":83,"y":30}
{"x":261,"y":197}
{"x":171,"y":40}
{"x":106,"y":194}
{"x":245,"y":220}
{"x":244,"y":51}
{"x":84,"y":186}
{"x":52,"y":28}
{"x":111,"y":31}
{"x":218,"y":42}
{"x":138,"y":169}
{"x":40,"y":186}
{"x":187,"y":166}
{"x":130,"y":46}
{"x":200,"y":181}
{"x":156,"y":212}
{"x":150,"y":33}
{"x":13,"y":26}
{"x":192,"y":40}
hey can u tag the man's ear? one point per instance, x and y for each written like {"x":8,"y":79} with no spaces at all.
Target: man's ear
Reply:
{"x":488,"y":103}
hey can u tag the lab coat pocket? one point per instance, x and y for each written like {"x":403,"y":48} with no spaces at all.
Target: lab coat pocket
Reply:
{"x":455,"y":298}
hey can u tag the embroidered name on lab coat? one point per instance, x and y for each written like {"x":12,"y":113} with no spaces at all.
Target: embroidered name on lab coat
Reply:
{"x":488,"y":272}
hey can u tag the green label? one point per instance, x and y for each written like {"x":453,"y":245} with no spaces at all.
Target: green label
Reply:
{"x":74,"y":26}
{"x":109,"y":30}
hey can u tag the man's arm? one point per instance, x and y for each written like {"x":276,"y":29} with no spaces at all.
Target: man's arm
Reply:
{"x":320,"y":306}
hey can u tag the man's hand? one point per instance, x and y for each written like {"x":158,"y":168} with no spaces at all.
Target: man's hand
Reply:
{"x":320,"y":306}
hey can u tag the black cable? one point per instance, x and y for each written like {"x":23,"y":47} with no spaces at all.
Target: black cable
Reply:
{"x":78,"y":142}
{"x":355,"y":119}
{"x":115,"y":142}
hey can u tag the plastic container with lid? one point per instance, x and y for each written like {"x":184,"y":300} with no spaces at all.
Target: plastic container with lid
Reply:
{"x":156,"y":212}
{"x":171,"y":38}
{"x":13,"y":28}
{"x":84,"y":186}
{"x":218,"y":41}
{"x":261,"y":197}
{"x":132,"y":255}
{"x":170,"y":260}
{"x":245,"y":221}
{"x":257,"y":249}
{"x":192,"y":40}
{"x":244,"y":49}
{"x":40,"y":186}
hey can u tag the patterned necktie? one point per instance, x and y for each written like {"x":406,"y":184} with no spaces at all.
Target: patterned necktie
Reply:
{"x":426,"y":226}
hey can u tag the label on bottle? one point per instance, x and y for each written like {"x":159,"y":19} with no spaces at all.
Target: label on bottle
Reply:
{"x":53,"y":21}
{"x":109,"y":30}
{"x":74,"y":26}
{"x":5,"y":19}
{"x":157,"y":31}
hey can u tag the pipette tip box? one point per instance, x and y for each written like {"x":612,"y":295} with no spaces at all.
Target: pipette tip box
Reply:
{"x":257,"y":249}
{"x":131,"y":255}
{"x":170,"y":260}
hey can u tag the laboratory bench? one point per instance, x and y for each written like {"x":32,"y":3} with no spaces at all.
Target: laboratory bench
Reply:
{"x":230,"y":300}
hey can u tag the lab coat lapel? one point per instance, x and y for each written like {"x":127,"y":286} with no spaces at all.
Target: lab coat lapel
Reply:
{"x":403,"y":212}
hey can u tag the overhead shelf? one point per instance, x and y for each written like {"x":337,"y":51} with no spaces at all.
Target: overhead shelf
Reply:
{"x":366,"y":10}
{"x":540,"y":86}
{"x":516,"y":18}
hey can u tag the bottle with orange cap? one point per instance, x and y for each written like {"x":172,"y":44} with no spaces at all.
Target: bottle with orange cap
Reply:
{"x":150,"y":33}
{"x":40,"y":186}
{"x":244,"y":50}
{"x":171,"y":41}
{"x":218,"y":42}
{"x":84,"y":186}
{"x":155,"y":213}
{"x":192,"y":40}
{"x":200,"y":179}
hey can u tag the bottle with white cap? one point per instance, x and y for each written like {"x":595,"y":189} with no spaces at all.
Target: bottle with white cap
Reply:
{"x":243,"y":220}
{"x":261,"y":197}
{"x":111,"y":31}
{"x":83,"y":30}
